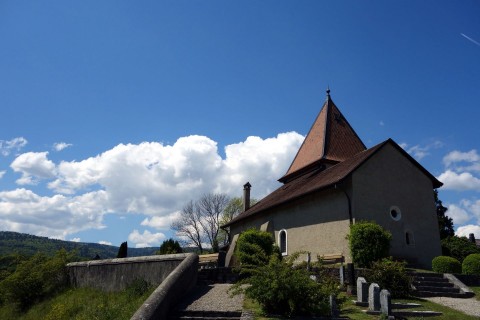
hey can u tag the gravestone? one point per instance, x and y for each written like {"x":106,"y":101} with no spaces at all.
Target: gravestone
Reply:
{"x":385,"y":302}
{"x":374,"y":297}
{"x":362,"y":290}
{"x":334,"y":312}
{"x":342,"y":275}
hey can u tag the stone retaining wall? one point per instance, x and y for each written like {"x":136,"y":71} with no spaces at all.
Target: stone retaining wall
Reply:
{"x":117,"y":274}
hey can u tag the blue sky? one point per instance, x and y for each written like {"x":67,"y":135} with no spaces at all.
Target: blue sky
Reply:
{"x":114,"y":114}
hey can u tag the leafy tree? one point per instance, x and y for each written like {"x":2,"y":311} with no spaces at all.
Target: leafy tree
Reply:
{"x":123,"y":250}
{"x":458,"y":247}
{"x":233,"y":209}
{"x":35,"y":279}
{"x":170,"y":246}
{"x":199,"y":221}
{"x":368,"y":242}
{"x":445,"y":223}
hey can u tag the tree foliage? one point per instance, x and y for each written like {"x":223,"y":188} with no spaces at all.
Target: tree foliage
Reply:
{"x":35,"y":278}
{"x":368,"y":242}
{"x":232,"y":210}
{"x":253,"y":249}
{"x":170,"y":246}
{"x":281,"y":288}
{"x":199,"y":221}
{"x":458,"y":247}
{"x":471,"y":264}
{"x":123,"y":250}
{"x":391,"y":275}
{"x":445,"y":264}
{"x":445,"y":223}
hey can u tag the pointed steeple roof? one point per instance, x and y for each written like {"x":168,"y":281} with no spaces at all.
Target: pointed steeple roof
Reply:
{"x":330,"y":140}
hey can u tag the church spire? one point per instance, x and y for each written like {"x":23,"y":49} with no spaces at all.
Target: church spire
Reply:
{"x":330,"y":140}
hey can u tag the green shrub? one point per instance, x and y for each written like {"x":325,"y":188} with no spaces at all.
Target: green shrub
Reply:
{"x":471,"y":264}
{"x":254,"y":248}
{"x":368,"y":242}
{"x":170,"y":246}
{"x":458,"y":247}
{"x":35,"y":279}
{"x":391,"y":275}
{"x":444,"y":264}
{"x":282,"y":289}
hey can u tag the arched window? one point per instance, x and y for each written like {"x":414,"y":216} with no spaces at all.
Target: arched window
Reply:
{"x":282,"y":241}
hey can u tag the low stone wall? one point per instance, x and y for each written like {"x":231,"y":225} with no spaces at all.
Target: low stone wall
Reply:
{"x":175,"y":286}
{"x":117,"y":274}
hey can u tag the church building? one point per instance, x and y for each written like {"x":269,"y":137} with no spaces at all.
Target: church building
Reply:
{"x":334,"y":181}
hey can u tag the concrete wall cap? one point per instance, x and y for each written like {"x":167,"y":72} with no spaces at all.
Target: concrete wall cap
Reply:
{"x":166,"y":257}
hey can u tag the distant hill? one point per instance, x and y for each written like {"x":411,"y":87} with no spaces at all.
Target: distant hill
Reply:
{"x":26,"y":244}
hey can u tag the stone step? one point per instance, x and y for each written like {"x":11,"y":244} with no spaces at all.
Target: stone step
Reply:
{"x":437,"y":289}
{"x":426,"y":274}
{"x":190,"y":314}
{"x":430,"y":279}
{"x":426,"y":294}
{"x":433,"y":283}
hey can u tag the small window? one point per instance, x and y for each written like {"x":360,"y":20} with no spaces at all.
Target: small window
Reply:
{"x":409,"y":240}
{"x":395,"y":213}
{"x":282,"y":241}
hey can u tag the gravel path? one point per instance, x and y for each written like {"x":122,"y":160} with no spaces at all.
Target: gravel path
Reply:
{"x":212,"y":298}
{"x":469,"y":306}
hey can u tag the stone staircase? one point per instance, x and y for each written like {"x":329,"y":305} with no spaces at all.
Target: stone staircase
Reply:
{"x":435,"y":285}
{"x":214,"y":315}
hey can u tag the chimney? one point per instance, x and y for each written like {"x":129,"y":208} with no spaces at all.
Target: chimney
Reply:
{"x":471,"y":237}
{"x":246,"y":196}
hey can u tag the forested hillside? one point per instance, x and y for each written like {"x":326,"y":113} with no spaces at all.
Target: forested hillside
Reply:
{"x":28,"y":245}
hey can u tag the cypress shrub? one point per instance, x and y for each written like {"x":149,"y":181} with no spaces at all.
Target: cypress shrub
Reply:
{"x":471,"y":264}
{"x":253,"y":249}
{"x":444,"y":264}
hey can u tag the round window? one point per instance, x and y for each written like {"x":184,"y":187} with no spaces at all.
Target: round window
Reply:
{"x":395,"y":213}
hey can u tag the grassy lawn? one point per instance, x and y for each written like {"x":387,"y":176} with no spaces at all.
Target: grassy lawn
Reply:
{"x":356,"y":313}
{"x":82,"y":304}
{"x":477,"y":292}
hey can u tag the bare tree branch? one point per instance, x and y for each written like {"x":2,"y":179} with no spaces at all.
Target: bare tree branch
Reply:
{"x":188,"y":225}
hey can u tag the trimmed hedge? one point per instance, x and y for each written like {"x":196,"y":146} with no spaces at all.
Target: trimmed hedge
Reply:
{"x":445,"y":264}
{"x":471,"y":264}
{"x":368,"y":242}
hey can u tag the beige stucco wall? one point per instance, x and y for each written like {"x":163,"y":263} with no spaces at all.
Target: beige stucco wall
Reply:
{"x":389,"y":179}
{"x":317,"y":223}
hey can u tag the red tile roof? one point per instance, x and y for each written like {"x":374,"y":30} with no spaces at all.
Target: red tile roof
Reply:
{"x":318,"y":180}
{"x":330,"y":139}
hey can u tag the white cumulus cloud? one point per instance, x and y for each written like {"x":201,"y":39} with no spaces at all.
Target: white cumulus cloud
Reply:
{"x":7,"y":146}
{"x":459,"y":181}
{"x":421,"y":151}
{"x":108,"y":243}
{"x":146,"y":239}
{"x":2,"y":173}
{"x":160,"y":222}
{"x":75,"y":240}
{"x":458,"y":214}
{"x":59,"y":146}
{"x":464,"y":231}
{"x":148,"y":178}
{"x":33,"y":166}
